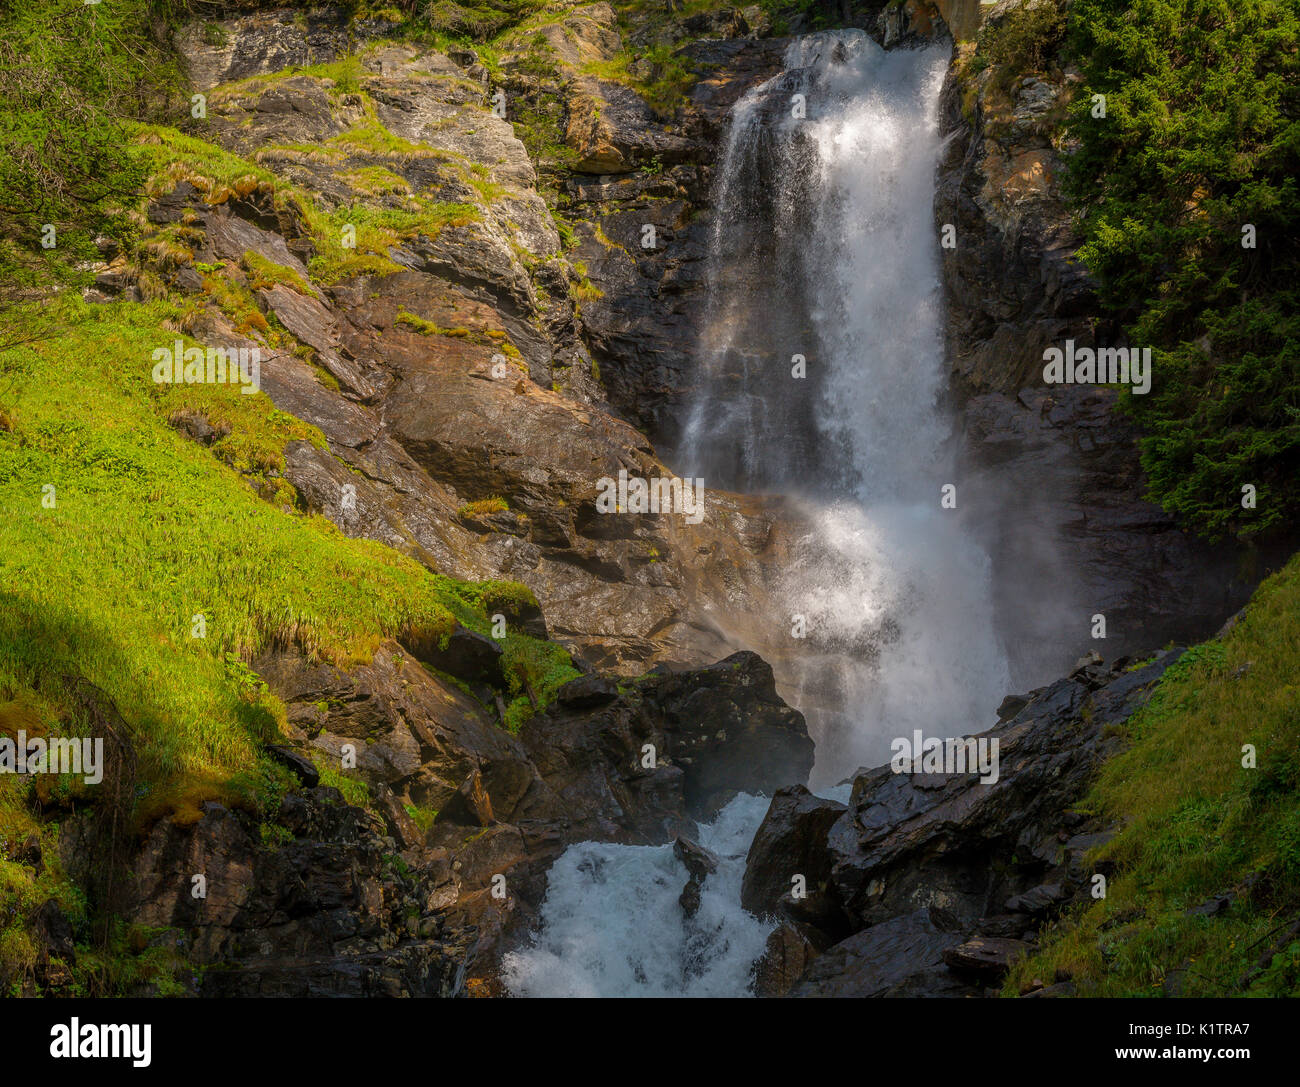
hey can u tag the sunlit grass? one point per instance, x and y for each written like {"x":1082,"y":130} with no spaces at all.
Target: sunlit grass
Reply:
{"x":1197,"y":823}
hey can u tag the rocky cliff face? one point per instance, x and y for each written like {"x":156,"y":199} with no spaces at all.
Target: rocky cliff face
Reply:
{"x":452,"y":368}
{"x":1071,"y":522}
{"x":320,"y":897}
{"x":928,"y":884}
{"x":644,"y":319}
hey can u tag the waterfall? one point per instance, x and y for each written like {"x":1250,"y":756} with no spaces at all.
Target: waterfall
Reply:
{"x":824,"y":249}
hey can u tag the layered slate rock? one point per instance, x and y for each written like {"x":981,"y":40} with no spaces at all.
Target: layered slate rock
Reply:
{"x":899,"y":957}
{"x":936,"y":882}
{"x":953,"y":842}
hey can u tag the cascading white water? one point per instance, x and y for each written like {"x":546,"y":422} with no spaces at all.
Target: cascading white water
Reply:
{"x":612,"y":925}
{"x":823,"y":247}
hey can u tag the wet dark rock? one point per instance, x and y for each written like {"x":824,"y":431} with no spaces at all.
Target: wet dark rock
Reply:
{"x":790,"y":949}
{"x":463,"y":653}
{"x":1011,"y":705}
{"x":985,"y":864}
{"x":1010,"y":926}
{"x":987,"y":958}
{"x":1037,"y":901}
{"x":588,"y":692}
{"x":899,"y":957}
{"x":470,"y":806}
{"x":789,"y":842}
{"x":899,"y":843}
{"x":700,"y":862}
{"x":54,"y":934}
{"x":300,"y":764}
{"x":714,"y":731}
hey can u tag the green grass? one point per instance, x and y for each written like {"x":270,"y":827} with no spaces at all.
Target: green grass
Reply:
{"x":150,"y":529}
{"x":371,"y":136}
{"x":266,"y":273}
{"x":484,"y":507}
{"x":534,"y":671}
{"x":479,"y":178}
{"x":345,"y":74}
{"x":376,"y":230}
{"x":171,"y":156}
{"x":665,"y":90}
{"x":1196,"y":823}
{"x":376,"y":181}
{"x":354,"y":790}
{"x":427,"y":328}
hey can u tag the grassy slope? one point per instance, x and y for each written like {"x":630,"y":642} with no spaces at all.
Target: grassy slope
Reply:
{"x":1196,"y":824}
{"x":147,"y":531}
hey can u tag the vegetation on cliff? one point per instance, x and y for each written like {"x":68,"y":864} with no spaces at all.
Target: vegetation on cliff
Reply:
{"x":69,"y":75}
{"x":1189,"y":208}
{"x":133,"y":559}
{"x":1203,"y":881}
{"x":155,"y":568}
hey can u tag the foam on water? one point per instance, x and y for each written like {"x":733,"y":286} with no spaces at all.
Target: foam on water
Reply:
{"x":612,"y":925}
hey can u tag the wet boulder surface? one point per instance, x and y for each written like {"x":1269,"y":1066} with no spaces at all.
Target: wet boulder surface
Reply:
{"x":930,"y":883}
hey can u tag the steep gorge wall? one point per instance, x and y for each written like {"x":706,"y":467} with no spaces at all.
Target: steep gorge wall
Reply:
{"x":399,"y":362}
{"x":1059,"y":464}
{"x":608,"y":329}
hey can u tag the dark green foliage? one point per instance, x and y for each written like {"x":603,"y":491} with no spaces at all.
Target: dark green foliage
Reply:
{"x":476,"y":20}
{"x":1200,"y":139}
{"x":1022,"y":42}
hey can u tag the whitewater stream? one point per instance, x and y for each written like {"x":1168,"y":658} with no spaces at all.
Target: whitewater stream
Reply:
{"x":824,"y":258}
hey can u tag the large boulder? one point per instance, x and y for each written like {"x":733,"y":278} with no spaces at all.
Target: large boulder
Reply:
{"x":790,"y":841}
{"x":954,"y":842}
{"x":714,"y":731}
{"x":899,"y":957}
